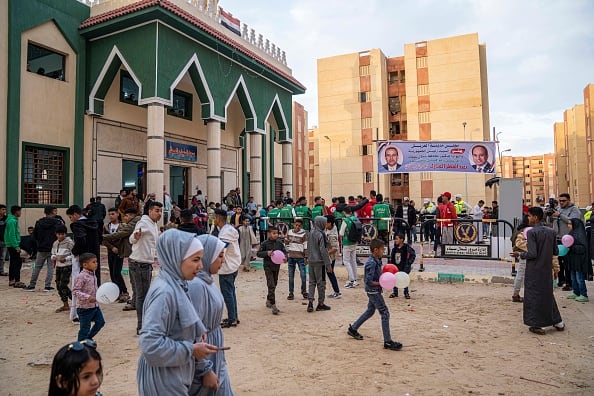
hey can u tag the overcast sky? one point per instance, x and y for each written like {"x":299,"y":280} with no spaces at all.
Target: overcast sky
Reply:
{"x":540,"y":54}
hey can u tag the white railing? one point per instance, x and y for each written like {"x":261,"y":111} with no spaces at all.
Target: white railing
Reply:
{"x":209,"y":11}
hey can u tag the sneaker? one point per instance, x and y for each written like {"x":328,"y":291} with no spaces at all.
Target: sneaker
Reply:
{"x":354,"y":333}
{"x":393,"y":295}
{"x":310,"y":307}
{"x":335,"y":295}
{"x":75,"y":321}
{"x":348,"y":285}
{"x":582,"y":299}
{"x":422,"y":269}
{"x":291,"y":296}
{"x":571,"y":296}
{"x":49,"y":289}
{"x":355,"y":284}
{"x":393,"y":345}
{"x":29,"y":288}
{"x":322,"y":307}
{"x":275,"y":310}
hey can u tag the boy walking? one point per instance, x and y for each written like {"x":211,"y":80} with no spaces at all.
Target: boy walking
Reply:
{"x":270,"y":269}
{"x":319,"y":263}
{"x":62,"y":259}
{"x":403,"y":256}
{"x":85,"y":290}
{"x":373,"y":270}
{"x":297,"y":247}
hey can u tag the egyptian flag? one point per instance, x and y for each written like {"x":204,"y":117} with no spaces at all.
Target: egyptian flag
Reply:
{"x":229,"y":22}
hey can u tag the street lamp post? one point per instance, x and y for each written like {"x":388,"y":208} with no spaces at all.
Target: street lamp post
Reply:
{"x":330,"y":140}
{"x":501,"y":160}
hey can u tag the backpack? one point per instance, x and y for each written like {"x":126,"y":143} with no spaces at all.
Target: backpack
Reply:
{"x":354,"y":229}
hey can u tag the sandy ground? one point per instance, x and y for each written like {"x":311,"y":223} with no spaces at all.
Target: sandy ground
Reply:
{"x":458,"y":339}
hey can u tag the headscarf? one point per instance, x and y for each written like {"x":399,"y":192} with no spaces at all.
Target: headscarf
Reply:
{"x":171,"y":249}
{"x":578,"y":232}
{"x":212,"y":248}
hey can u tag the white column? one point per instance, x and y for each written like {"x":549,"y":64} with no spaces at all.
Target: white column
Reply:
{"x":288,"y":168}
{"x":155,"y":149}
{"x":256,"y":167}
{"x":213,"y":161}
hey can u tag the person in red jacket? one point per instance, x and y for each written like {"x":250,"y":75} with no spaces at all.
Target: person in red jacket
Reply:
{"x":447,"y":213}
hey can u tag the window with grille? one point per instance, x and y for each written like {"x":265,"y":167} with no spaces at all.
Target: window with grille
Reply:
{"x":368,"y":177}
{"x":45,"y":175}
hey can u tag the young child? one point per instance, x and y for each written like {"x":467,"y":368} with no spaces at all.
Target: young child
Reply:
{"x":62,"y":259}
{"x":403,"y":256}
{"x":373,"y":270}
{"x":85,"y":290}
{"x":247,"y":239}
{"x":76,"y":370}
{"x":271,"y":269}
{"x":296,"y":243}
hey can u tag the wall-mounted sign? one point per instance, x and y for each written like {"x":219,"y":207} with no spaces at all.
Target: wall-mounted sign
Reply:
{"x":180,"y":151}
{"x":466,"y":251}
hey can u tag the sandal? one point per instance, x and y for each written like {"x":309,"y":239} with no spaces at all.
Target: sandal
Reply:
{"x":517,"y":299}
{"x":559,"y":326}
{"x":537,"y":330}
{"x":227,"y":323}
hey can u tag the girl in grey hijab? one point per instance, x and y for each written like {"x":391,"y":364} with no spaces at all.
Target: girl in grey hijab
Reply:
{"x":211,"y":376}
{"x":171,"y":326}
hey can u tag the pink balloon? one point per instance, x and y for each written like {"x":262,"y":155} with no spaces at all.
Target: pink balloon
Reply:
{"x":567,"y":240}
{"x":278,"y":257}
{"x":387,"y":280}
{"x":525,"y":231}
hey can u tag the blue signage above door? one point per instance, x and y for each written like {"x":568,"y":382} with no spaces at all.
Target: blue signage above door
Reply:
{"x":180,"y":151}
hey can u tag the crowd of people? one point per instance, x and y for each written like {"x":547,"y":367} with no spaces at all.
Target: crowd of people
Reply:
{"x":180,"y":313}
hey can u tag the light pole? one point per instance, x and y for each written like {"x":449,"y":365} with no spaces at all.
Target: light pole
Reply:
{"x":330,"y":140}
{"x":465,"y":174}
{"x":501,"y":160}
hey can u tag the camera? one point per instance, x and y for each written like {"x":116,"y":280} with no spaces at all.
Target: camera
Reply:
{"x":551,"y":208}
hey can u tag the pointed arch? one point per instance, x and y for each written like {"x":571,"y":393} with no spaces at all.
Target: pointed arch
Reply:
{"x":247,"y":105}
{"x":194,"y":69}
{"x":108,"y":72}
{"x":283,"y":132}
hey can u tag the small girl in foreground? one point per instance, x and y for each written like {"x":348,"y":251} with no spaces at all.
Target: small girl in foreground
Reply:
{"x":76,"y":370}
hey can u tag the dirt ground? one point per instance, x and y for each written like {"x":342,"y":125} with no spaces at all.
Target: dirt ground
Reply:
{"x":458,"y":339}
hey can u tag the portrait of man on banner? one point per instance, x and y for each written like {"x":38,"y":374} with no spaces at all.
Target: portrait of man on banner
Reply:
{"x":482,"y":159}
{"x":390,"y":158}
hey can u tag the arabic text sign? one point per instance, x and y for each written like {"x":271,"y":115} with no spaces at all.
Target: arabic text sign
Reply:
{"x":180,"y":151}
{"x":399,"y":156}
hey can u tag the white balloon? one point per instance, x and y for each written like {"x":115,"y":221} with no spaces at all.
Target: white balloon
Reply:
{"x":108,"y":293}
{"x":402,"y":279}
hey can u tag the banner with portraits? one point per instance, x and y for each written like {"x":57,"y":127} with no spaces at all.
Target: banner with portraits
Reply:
{"x":398,"y":156}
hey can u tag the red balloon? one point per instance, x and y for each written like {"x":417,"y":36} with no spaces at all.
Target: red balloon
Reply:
{"x":390,"y":268}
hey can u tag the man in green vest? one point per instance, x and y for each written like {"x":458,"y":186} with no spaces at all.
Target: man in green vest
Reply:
{"x":301,"y":210}
{"x":381,"y":210}
{"x":462,"y":208}
{"x":274,"y":213}
{"x":318,"y":209}
{"x":287,"y":213}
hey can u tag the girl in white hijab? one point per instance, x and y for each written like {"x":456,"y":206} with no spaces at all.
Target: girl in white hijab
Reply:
{"x":211,"y":376}
{"x":171,"y":325}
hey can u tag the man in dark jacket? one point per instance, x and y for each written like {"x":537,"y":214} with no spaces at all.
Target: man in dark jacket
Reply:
{"x":44,"y":235}
{"x":97,"y":211}
{"x":121,"y":241}
{"x":187,"y":223}
{"x":87,"y":237}
{"x":408,"y":214}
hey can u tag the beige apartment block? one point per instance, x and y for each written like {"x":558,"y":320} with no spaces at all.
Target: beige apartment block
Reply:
{"x":575,"y":137}
{"x":589,"y":113}
{"x":538,"y":174}
{"x":561,"y":164}
{"x":436,"y":91}
{"x":300,"y":151}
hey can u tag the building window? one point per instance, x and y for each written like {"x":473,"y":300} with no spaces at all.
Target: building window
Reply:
{"x":364,"y":97}
{"x":368,"y":176}
{"x":424,"y":118}
{"x":365,"y":123}
{"x":421,"y":62}
{"x":394,"y":128}
{"x":404,"y":127}
{"x":364,"y":70}
{"x":402,"y":74}
{"x":393,"y":77}
{"x":182,"y":105}
{"x":45,"y":175}
{"x":366,"y":149}
{"x":423,"y":89}
{"x":45,"y":62}
{"x":128,"y":89}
